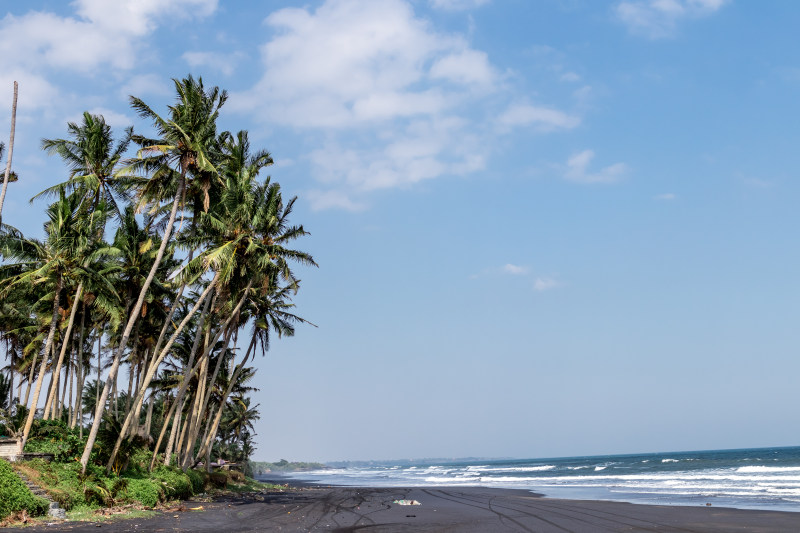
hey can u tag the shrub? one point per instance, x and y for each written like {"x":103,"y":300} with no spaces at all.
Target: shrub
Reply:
{"x":218,"y":479}
{"x":177,"y":484}
{"x":144,"y":491}
{"x":56,"y":437}
{"x":140,"y":460}
{"x":15,"y":496}
{"x":198,"y":479}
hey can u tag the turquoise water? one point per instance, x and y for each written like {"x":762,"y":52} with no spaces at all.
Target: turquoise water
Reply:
{"x":762,"y":478}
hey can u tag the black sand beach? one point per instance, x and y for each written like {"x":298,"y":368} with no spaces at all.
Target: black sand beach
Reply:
{"x":348,"y":509}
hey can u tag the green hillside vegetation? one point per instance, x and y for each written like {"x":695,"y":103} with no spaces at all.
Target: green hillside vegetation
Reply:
{"x":15,"y":496}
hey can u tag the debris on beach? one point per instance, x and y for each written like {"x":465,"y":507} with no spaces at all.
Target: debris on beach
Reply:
{"x":406,"y":502}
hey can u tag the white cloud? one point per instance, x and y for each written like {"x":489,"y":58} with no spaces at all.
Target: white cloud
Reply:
{"x":323,"y":69}
{"x":578,"y":170}
{"x":102,"y":33}
{"x":545,"y":284}
{"x":117,"y":121}
{"x":464,"y":66}
{"x":34,"y":91}
{"x":390,"y":100}
{"x":224,"y":63}
{"x":457,"y":5}
{"x":542,"y":117}
{"x":389,"y":96}
{"x":419,"y":151}
{"x":658,"y":18}
{"x":515,"y":269}
{"x":332,"y":200}
{"x":570,"y":76}
{"x":667,"y":196}
{"x":146,"y":84}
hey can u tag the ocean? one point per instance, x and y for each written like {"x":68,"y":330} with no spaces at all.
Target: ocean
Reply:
{"x":762,"y":478}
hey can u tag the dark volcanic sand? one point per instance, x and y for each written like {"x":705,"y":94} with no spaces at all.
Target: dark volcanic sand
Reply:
{"x":346,"y":509}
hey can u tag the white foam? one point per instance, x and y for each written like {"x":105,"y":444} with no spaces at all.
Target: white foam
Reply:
{"x":670,"y":460}
{"x":775,"y":469}
{"x":537,"y":468}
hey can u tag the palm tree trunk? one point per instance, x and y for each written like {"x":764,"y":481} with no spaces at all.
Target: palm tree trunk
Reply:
{"x":47,"y":347}
{"x":167,"y":417}
{"x":151,"y":371}
{"x":131,"y":321}
{"x":70,"y":402}
{"x":10,"y":151}
{"x":205,"y":399}
{"x":115,"y":398}
{"x":148,"y":421}
{"x":79,"y":390}
{"x":67,"y":380}
{"x":227,"y":323}
{"x":99,"y":365}
{"x":212,"y":434}
{"x":64,"y":344}
{"x":31,"y":375}
{"x":176,"y":424}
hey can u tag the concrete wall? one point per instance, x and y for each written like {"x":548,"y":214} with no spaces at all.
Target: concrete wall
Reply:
{"x":10,"y":449}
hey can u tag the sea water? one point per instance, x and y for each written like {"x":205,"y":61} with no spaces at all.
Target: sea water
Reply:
{"x":763,"y":478}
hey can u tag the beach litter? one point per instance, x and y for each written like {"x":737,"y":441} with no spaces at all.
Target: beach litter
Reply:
{"x":406,"y":502}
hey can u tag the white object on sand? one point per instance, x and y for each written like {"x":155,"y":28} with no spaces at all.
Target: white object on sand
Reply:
{"x":406,"y":502}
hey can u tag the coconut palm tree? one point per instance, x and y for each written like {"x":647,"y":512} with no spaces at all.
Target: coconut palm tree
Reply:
{"x":249,"y":229}
{"x":180,"y":151}
{"x":93,"y":160}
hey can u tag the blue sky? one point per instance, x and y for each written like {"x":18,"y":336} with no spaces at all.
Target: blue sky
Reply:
{"x":549,"y":228}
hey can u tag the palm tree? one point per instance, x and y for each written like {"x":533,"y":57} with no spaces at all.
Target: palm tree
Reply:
{"x":89,"y":268}
{"x":249,"y":229}
{"x":183,"y":142}
{"x":7,"y":174}
{"x":93,"y":160}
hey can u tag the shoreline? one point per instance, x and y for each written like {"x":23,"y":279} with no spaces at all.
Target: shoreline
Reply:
{"x":313,"y":507}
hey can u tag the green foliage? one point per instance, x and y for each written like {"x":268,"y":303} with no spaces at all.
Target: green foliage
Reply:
{"x":56,"y":437}
{"x":145,"y":491}
{"x":139,"y":461}
{"x":66,"y":485}
{"x":176,"y":483}
{"x":15,"y":496}
{"x":198,"y":479}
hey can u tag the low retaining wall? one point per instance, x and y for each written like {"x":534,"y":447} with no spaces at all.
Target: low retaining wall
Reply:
{"x":10,"y":449}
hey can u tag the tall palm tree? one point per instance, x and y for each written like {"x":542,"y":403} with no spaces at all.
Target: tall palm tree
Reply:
{"x":249,"y":229}
{"x":93,"y":160}
{"x":181,"y":150}
{"x":90,"y":268}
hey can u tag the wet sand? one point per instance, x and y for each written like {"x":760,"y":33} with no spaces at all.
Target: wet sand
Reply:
{"x":371,"y":510}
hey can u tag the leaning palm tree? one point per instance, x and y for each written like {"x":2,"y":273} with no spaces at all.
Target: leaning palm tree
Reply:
{"x":180,"y":151}
{"x":251,"y":231}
